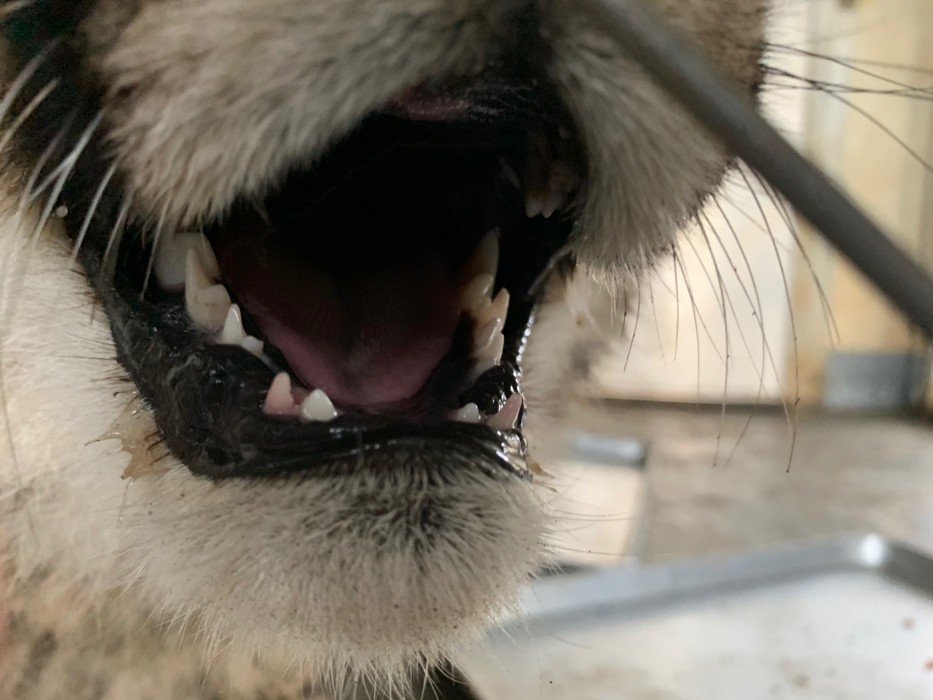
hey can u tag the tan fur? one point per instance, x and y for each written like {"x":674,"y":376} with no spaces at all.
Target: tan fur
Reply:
{"x":210,"y":99}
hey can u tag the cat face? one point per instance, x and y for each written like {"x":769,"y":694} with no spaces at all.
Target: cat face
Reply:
{"x":324,"y":253}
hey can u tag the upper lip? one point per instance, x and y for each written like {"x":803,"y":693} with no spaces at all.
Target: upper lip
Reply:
{"x":208,"y":395}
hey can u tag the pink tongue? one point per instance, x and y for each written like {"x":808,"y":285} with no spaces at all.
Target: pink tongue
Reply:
{"x":366,"y":338}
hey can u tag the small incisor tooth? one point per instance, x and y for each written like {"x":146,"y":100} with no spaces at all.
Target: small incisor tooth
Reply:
{"x":493,"y":351}
{"x":477,"y":292}
{"x":468,"y":414}
{"x":172,"y":256}
{"x":534,"y":204}
{"x":318,"y":408}
{"x":232,"y":333}
{"x":488,"y":357}
{"x":485,"y":336}
{"x":279,"y":400}
{"x":507,"y":417}
{"x":207,"y":303}
{"x":497,"y":310}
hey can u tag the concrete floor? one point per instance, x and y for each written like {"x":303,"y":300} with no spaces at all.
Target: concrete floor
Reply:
{"x":708,"y":487}
{"x":842,"y":635}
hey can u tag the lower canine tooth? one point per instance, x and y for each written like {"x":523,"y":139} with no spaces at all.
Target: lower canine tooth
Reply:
{"x":207,"y":303}
{"x":318,"y":407}
{"x":279,"y":400}
{"x":468,"y":414}
{"x":507,"y":417}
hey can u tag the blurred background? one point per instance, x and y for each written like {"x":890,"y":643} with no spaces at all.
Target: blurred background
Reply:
{"x":764,"y":394}
{"x":763,"y":391}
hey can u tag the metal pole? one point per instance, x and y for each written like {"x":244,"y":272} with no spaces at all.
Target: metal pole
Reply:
{"x":727,"y":112}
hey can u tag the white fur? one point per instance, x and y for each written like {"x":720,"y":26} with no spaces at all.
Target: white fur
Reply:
{"x":215,"y":98}
{"x":321,"y":571}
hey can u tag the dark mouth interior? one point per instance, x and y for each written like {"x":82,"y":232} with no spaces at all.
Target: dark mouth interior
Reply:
{"x":358,"y":287}
{"x":379,"y":296}
{"x":353,"y":271}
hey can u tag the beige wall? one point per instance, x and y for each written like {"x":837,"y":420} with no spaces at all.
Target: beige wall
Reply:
{"x":878,"y":172}
{"x":881,"y":175}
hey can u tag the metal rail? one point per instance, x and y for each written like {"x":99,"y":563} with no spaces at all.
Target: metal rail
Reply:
{"x":678,"y":65}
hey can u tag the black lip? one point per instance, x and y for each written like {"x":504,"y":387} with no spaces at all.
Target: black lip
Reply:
{"x":207,"y":399}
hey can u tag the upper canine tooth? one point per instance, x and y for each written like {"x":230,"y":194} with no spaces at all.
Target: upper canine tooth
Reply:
{"x":507,"y":417}
{"x":232,"y":333}
{"x":485,"y":259}
{"x":468,"y":414}
{"x":317,"y":408}
{"x":207,"y":303}
{"x":279,"y":400}
{"x":172,"y":255}
{"x":477,"y":292}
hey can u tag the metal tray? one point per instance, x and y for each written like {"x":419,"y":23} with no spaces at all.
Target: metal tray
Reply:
{"x":849,"y":618}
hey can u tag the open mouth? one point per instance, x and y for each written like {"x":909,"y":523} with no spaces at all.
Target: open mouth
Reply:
{"x":379,"y":295}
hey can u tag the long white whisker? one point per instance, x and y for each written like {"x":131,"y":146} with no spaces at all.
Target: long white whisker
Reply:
{"x":79,"y":241}
{"x":41,"y":163}
{"x":13,"y":7}
{"x":27,"y":112}
{"x":160,"y":226}
{"x":790,"y":309}
{"x":68,"y":162}
{"x":24,"y":76}
{"x":108,"y":262}
{"x":829,"y":318}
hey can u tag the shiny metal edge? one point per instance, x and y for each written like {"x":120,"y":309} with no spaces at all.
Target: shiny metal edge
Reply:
{"x":622,"y":588}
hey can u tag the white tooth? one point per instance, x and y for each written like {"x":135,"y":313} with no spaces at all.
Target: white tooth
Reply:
{"x":555,"y":200}
{"x":207,"y":303}
{"x":232,"y":332}
{"x":279,"y":400}
{"x":477,"y":292}
{"x":317,"y":408}
{"x":485,"y":336}
{"x":485,"y":260}
{"x":252,"y":345}
{"x":172,"y":256}
{"x":534,"y":204}
{"x":488,"y":357}
{"x":498,"y":310}
{"x":507,"y":417}
{"x":493,"y":351}
{"x":468,"y":414}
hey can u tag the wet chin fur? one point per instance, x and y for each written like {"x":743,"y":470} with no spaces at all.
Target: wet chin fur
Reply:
{"x":371,"y":572}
